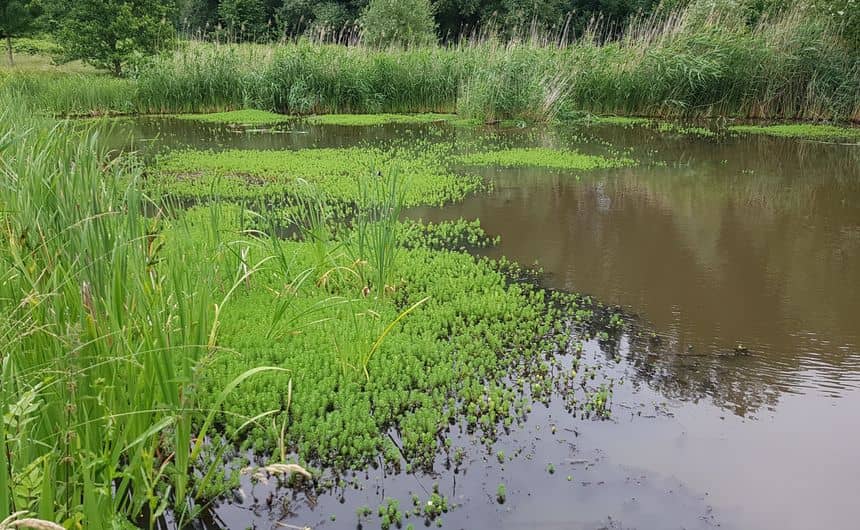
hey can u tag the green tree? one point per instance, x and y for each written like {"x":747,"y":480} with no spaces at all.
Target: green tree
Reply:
{"x":197,"y":15}
{"x":244,"y":18}
{"x":457,"y":16}
{"x":387,"y":22}
{"x":298,"y":16}
{"x":108,"y":33}
{"x":16,"y":18}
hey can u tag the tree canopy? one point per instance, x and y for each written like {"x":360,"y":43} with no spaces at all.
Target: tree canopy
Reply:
{"x":452,"y":18}
{"x":387,"y":22}
{"x":109,"y":33}
{"x":16,"y":18}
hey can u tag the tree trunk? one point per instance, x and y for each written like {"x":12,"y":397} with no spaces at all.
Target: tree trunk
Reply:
{"x":9,"y":50}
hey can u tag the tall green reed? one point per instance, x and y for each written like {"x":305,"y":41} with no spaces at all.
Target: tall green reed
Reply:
{"x":106,"y":328}
{"x":375,"y":238}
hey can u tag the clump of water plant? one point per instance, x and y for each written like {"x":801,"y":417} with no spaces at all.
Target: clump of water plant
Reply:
{"x":806,"y":130}
{"x":543,"y":157}
{"x":338,"y":173}
{"x":245,"y":117}
{"x":461,"y":235}
{"x":367,"y":120}
{"x":390,"y":514}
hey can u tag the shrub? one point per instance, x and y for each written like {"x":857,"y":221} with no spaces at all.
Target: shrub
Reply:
{"x":403,"y":22}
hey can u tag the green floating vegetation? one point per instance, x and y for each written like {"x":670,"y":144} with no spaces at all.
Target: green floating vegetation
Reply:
{"x":378,"y":119}
{"x":462,"y":355}
{"x":245,"y":174}
{"x":686,"y":130}
{"x":238,"y":117}
{"x":618,"y":120}
{"x":458,"y":235}
{"x":801,"y":130}
{"x":543,"y":157}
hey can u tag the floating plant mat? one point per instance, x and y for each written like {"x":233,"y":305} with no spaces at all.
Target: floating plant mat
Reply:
{"x":253,"y":173}
{"x":454,"y":340}
{"x":247,"y":117}
{"x":543,"y":157}
{"x":377,"y":119}
{"x":802,"y":130}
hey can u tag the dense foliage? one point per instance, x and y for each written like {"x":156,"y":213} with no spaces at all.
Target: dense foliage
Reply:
{"x":16,"y":18}
{"x":270,"y":19}
{"x":453,"y":18}
{"x":409,"y":22}
{"x":110,"y":33}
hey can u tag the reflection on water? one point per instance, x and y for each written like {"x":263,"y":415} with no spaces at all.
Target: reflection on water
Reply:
{"x":743,"y":254}
{"x":155,"y":134}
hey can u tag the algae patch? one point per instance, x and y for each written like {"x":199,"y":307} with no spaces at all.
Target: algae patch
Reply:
{"x":238,"y":117}
{"x":627,"y":121}
{"x":245,"y":174}
{"x":543,"y":157}
{"x":802,"y":131}
{"x":377,"y":119}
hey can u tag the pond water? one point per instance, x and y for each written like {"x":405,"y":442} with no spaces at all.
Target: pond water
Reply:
{"x":742,"y":254}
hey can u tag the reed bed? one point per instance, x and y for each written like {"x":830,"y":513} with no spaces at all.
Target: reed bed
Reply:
{"x":104,"y":329}
{"x":695,"y":62}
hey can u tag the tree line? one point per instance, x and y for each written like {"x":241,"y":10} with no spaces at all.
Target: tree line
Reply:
{"x":111,"y":33}
{"x":450,"y":19}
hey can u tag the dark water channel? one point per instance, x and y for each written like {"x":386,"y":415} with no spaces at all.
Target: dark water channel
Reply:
{"x":743,"y":256}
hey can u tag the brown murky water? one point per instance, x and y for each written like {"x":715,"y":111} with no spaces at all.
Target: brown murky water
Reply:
{"x":743,"y":254}
{"x":751,"y":242}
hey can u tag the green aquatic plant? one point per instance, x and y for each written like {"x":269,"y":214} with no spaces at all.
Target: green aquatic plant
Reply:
{"x":599,"y":402}
{"x":436,"y":505}
{"x":390,"y":514}
{"x":311,"y":214}
{"x":459,"y":235}
{"x":338,"y":173}
{"x":238,"y":117}
{"x":367,"y":353}
{"x":375,"y":239}
{"x":624,"y":121}
{"x":686,"y":130}
{"x":801,"y":130}
{"x":106,"y":330}
{"x":543,"y":157}
{"x":365,"y":120}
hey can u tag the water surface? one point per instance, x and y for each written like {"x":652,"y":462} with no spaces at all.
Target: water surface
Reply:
{"x":741,"y":254}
